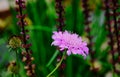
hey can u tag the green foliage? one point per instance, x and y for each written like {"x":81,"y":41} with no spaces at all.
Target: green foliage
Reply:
{"x":42,"y":15}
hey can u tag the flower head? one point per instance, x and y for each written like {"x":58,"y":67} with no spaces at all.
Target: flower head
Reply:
{"x":13,"y":67}
{"x":15,"y":42}
{"x":70,"y":41}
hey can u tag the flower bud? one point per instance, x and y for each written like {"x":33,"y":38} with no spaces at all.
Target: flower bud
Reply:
{"x":24,"y":59}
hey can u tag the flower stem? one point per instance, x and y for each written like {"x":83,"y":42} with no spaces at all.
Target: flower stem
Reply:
{"x":53,"y":57}
{"x":17,"y":58}
{"x":12,"y":75}
{"x":56,"y":66}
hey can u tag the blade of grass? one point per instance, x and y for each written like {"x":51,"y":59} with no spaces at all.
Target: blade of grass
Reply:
{"x":52,"y":59}
{"x":69,"y":67}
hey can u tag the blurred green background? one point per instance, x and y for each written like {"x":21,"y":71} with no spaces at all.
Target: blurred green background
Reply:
{"x":41,"y":23}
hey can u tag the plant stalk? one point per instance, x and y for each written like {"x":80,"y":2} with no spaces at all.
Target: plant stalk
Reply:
{"x":56,"y":66}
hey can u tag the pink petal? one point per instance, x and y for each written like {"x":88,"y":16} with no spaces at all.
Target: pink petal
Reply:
{"x":84,"y":43}
{"x":68,"y":52}
{"x":82,"y":53}
{"x":55,"y":43}
{"x":86,"y":50}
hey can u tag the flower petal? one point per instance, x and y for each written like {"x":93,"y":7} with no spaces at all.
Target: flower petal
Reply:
{"x":68,"y":52}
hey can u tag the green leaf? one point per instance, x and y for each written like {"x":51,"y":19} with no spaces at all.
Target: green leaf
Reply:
{"x":52,"y":59}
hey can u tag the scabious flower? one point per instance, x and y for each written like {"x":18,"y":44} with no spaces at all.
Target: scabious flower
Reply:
{"x":71,"y":42}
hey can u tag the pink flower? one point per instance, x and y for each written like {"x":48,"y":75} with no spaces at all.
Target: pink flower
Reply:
{"x":70,"y":41}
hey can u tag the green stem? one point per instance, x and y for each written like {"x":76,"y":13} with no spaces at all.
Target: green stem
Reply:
{"x":17,"y":62}
{"x":56,"y":66}
{"x":52,"y":59}
{"x":113,"y":73}
{"x":17,"y":58}
{"x":12,"y":75}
